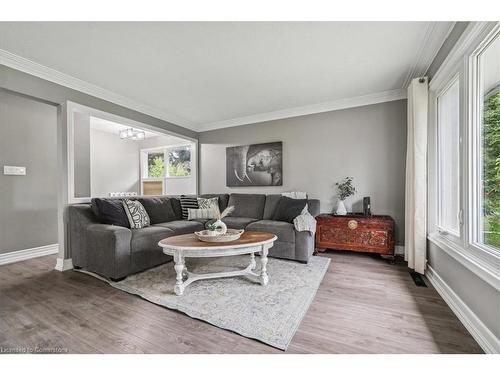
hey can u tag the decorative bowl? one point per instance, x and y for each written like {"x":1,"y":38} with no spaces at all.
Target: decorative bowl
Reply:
{"x":230,"y":235}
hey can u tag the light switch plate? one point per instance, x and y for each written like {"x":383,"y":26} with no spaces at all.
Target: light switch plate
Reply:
{"x":16,"y":171}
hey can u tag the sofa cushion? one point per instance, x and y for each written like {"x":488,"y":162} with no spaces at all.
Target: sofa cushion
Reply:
{"x":182,"y":226}
{"x":285,"y":231}
{"x":110,"y":211}
{"x":238,"y":222}
{"x":147,"y":238}
{"x":159,"y":209}
{"x":223,"y":199}
{"x":247,"y":205}
{"x":288,"y":209}
{"x":176,"y":206}
{"x":272,"y":201}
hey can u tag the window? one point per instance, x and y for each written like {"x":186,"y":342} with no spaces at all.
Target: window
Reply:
{"x":179,"y":162}
{"x":156,"y":164}
{"x":488,"y":146}
{"x":464,"y":152}
{"x":449,"y":158}
{"x":161,"y":165}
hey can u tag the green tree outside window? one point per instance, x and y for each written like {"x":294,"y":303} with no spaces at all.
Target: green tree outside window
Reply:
{"x":491,"y":169}
{"x":156,"y":165}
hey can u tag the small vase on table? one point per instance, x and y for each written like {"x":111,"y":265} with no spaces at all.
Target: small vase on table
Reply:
{"x":341,"y":210}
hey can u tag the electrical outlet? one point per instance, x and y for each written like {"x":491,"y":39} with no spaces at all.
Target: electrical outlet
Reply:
{"x":16,"y":171}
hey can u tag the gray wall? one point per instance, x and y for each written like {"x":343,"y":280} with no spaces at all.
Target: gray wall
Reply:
{"x":114,"y":164}
{"x":368,"y":143}
{"x":81,"y":155}
{"x":481,"y":297}
{"x":28,"y":214}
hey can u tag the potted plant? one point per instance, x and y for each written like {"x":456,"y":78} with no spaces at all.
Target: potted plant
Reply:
{"x":344,"y":190}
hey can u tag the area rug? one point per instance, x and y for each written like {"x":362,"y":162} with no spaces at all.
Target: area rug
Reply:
{"x":270,"y":314}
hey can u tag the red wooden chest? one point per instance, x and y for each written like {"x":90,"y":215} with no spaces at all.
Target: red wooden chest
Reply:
{"x":374,"y":234}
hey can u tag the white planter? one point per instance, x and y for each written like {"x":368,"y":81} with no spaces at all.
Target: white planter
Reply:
{"x":221,"y":227}
{"x":341,"y":210}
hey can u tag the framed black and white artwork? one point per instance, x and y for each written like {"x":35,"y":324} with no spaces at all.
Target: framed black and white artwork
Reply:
{"x":255,"y":165}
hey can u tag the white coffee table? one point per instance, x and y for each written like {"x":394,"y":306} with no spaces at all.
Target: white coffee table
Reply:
{"x":188,"y":246}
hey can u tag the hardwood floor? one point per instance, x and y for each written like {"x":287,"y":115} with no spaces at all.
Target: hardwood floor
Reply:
{"x":364,"y":305}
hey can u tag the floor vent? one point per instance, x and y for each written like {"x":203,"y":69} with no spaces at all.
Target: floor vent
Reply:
{"x":418,"y":279}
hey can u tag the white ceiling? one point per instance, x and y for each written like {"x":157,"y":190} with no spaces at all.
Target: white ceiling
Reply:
{"x":114,"y":127}
{"x":206,"y":75}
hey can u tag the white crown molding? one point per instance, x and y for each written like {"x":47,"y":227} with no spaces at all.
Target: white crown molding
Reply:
{"x":19,"y":255}
{"x":63,"y":264}
{"x":334,"y":105}
{"x":481,"y":333}
{"x":432,"y":41}
{"x":38,"y":70}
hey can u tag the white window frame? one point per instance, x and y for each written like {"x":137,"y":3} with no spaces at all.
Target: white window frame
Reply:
{"x":165,"y":149}
{"x":452,"y":235}
{"x":462,"y":61}
{"x":475,"y":146}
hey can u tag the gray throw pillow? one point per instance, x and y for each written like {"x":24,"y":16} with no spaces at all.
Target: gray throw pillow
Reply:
{"x":110,"y":211}
{"x":288,"y":209}
{"x":159,"y":209}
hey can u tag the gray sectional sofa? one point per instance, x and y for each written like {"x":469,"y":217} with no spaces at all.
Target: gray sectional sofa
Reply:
{"x":115,"y":252}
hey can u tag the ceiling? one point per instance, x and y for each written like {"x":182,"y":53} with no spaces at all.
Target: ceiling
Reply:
{"x":207,"y":75}
{"x":114,"y":128}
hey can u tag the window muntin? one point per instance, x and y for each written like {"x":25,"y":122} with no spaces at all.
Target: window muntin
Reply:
{"x":448,"y":116}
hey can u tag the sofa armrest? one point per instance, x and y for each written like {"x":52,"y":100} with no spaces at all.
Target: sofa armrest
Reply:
{"x":313,"y":207}
{"x":80,"y":216}
{"x":108,"y":249}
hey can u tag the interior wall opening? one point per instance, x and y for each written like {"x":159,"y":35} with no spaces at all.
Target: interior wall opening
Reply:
{"x":111,"y":156}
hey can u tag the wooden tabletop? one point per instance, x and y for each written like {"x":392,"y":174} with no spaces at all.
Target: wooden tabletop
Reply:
{"x":190,"y":241}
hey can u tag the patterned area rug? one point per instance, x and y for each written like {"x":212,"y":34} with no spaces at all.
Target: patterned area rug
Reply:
{"x":270,"y":314}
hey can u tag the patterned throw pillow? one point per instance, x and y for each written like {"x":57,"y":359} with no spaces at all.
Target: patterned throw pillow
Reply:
{"x":200,"y":213}
{"x":187,"y":202}
{"x":137,"y":215}
{"x":208,"y":203}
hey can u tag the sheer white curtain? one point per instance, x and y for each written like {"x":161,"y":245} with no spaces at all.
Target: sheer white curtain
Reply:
{"x":416,"y":176}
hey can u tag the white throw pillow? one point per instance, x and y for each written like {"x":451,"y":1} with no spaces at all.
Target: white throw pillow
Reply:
{"x":208,"y":202}
{"x":136,"y":214}
{"x":201,"y":213}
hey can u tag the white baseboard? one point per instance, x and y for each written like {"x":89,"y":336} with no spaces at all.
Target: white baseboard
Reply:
{"x":399,"y":250}
{"x":19,"y":255}
{"x":484,"y":337}
{"x":64,"y":264}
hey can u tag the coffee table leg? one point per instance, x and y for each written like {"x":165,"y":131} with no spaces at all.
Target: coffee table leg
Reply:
{"x":252,"y":261}
{"x":264,"y":279}
{"x":179,"y":269}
